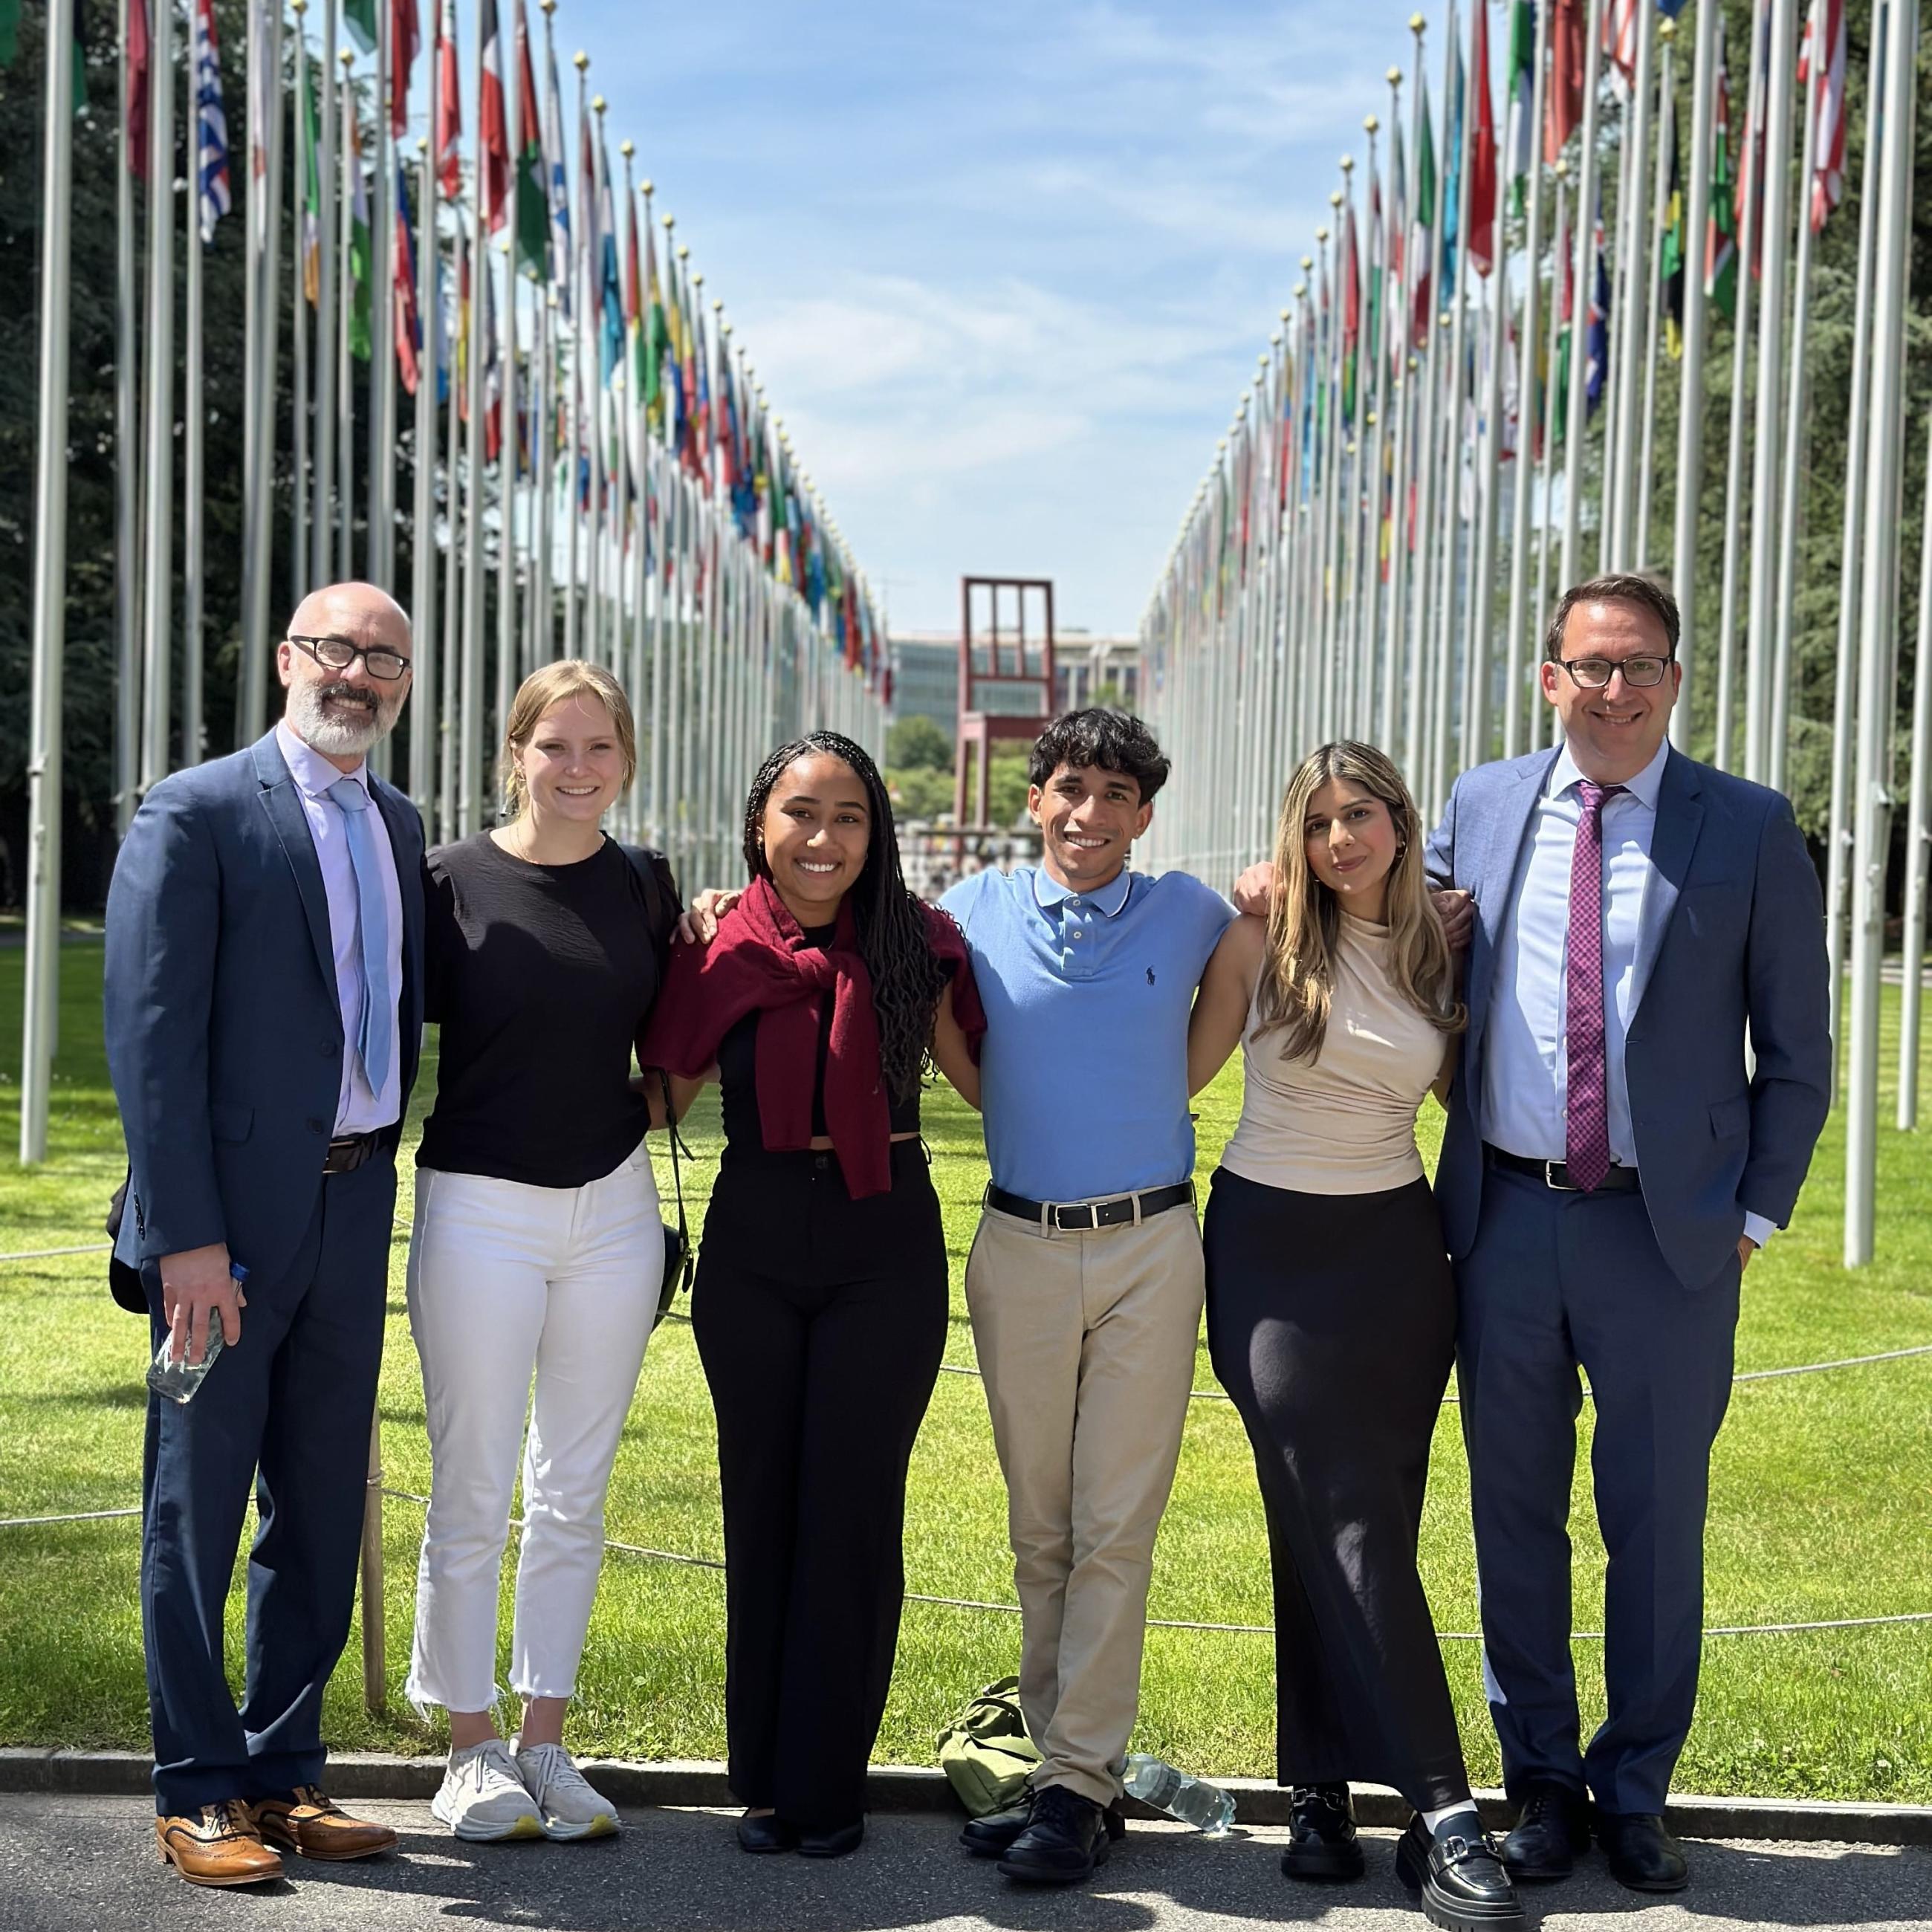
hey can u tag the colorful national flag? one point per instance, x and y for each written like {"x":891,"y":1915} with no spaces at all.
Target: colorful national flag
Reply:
{"x":1620,"y":40}
{"x":1564,"y":109}
{"x":1721,"y":248}
{"x":1522,"y":87}
{"x":360,"y":291}
{"x":1422,"y":307}
{"x":1750,"y":172}
{"x":211,"y":121}
{"x":1674,"y":250}
{"x":405,"y":44}
{"x":532,"y":229}
{"x":1483,"y":158}
{"x":1598,"y":342}
{"x":655,"y":333}
{"x":359,"y":17}
{"x":610,"y":293}
{"x":136,"y":106}
{"x":309,"y":137}
{"x":1452,"y":172}
{"x":1565,"y":265}
{"x":448,"y":104}
{"x":1826,"y":99}
{"x":492,"y":124}
{"x":408,"y":323}
{"x":1351,"y":314}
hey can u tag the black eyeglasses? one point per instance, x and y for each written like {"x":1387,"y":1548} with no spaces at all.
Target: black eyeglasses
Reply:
{"x":1595,"y":674}
{"x":338,"y":654}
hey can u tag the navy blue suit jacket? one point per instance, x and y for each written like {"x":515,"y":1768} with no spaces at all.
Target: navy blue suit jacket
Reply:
{"x":224,"y":1036}
{"x":1732,"y":938}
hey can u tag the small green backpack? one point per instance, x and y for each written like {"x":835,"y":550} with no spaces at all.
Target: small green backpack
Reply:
{"x":985,"y":1752}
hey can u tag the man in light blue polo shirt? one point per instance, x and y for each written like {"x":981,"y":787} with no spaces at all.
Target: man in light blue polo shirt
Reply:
{"x":1084,"y":1282}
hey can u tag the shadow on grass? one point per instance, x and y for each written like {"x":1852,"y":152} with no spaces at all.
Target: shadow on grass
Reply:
{"x":113,"y":1395}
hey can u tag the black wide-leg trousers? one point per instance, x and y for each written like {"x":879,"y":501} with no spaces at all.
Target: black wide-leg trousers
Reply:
{"x":821,"y":1323}
{"x":1331,"y":1320}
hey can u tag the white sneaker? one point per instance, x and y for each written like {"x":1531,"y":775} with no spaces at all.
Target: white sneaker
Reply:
{"x":570,"y":1806}
{"x":482,"y":1797}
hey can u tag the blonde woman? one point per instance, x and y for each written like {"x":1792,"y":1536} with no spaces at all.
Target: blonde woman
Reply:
{"x":1331,"y":1314}
{"x":537,"y":1251}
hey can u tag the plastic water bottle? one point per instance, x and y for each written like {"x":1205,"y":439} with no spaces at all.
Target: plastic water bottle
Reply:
{"x":173,"y":1376}
{"x":1193,"y":1800}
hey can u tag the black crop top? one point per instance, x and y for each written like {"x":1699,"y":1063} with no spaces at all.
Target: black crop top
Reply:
{"x":737,"y":1073}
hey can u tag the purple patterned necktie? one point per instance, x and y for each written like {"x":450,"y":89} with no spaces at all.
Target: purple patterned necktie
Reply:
{"x":1587,"y":1145}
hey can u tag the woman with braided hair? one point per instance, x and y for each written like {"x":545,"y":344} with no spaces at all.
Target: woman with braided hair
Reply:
{"x":820,"y":1302}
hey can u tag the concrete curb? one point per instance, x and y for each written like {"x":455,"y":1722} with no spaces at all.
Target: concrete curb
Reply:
{"x":124,"y":1775}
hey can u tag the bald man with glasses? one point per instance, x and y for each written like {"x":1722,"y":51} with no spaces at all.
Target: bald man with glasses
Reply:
{"x":264,"y":1011}
{"x":1645,"y":1072}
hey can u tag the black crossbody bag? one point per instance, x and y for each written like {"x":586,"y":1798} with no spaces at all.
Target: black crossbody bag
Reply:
{"x":680,"y":1264}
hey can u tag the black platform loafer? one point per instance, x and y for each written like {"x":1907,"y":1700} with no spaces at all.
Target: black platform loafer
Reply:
{"x":831,"y":1841}
{"x":1642,"y":1854}
{"x":1321,"y":1843}
{"x":765,"y":1832}
{"x":988,"y":1837}
{"x":1067,"y":1838}
{"x":1552,"y":1831}
{"x":1461,"y":1884}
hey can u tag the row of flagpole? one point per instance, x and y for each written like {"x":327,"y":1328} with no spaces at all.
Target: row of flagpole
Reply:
{"x":1341,"y":570}
{"x":592,"y":460}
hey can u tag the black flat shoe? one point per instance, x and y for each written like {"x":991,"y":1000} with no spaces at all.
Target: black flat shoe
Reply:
{"x":1321,"y":1844}
{"x":1069,"y":1837}
{"x":1461,"y":1882}
{"x":765,"y":1832}
{"x":832,"y":1841}
{"x":1552,"y":1831}
{"x":1642,"y":1855}
{"x":988,"y":1838}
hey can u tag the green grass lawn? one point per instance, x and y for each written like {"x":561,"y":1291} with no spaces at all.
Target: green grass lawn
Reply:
{"x":1822,"y":1504}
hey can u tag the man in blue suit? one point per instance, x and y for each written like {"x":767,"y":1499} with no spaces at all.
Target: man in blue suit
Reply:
{"x":264,"y":1008}
{"x":1611,"y":1161}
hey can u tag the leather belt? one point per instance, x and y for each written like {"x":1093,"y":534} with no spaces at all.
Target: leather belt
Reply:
{"x":1079,"y":1216}
{"x":347,"y":1152}
{"x":1555,"y":1175}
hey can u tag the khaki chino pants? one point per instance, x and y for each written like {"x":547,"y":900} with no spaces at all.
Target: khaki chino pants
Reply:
{"x":1086,"y":1340}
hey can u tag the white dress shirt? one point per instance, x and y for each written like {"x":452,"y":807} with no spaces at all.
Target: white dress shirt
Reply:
{"x":358,"y":1109}
{"x":1526,"y":1049}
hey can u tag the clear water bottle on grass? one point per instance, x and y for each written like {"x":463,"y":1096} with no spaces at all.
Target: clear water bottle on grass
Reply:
{"x":1193,"y":1800}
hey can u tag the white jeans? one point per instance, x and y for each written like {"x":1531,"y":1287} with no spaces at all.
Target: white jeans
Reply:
{"x":507,"y":1280}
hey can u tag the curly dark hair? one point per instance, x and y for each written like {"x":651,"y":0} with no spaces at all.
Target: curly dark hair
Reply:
{"x":1114,"y":740}
{"x":907,"y":981}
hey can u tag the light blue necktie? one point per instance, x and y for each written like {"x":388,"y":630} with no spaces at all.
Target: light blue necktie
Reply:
{"x":375,"y":1033}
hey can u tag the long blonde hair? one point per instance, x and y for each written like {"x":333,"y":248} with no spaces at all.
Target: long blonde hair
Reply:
{"x":1297,"y":977}
{"x":556,"y":684}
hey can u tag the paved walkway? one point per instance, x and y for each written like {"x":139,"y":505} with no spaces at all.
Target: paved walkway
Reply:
{"x":88,"y":1864}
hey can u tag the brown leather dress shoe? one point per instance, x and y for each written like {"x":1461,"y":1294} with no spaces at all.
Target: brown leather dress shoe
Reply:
{"x":310,"y":1822}
{"x":217,"y":1845}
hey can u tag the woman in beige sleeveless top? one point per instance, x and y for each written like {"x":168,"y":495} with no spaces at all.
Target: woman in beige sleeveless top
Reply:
{"x":1331,"y":1312}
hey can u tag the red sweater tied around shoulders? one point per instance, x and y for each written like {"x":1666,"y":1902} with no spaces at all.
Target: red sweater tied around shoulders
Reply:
{"x":760,"y":961}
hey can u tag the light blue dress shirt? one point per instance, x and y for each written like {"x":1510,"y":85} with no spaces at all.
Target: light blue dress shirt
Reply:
{"x":1084,"y":1069}
{"x":1525,"y":1050}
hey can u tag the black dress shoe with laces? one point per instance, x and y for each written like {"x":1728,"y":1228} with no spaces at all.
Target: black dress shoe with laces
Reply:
{"x":1067,"y":1838}
{"x":831,"y":1841}
{"x":988,"y":1837}
{"x":1552,"y":1831}
{"x":1642,"y":1854}
{"x":1321,"y":1843}
{"x":1460,"y":1878}
{"x":765,"y":1832}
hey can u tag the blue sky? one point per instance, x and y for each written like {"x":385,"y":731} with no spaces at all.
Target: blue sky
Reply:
{"x":1003,"y":268}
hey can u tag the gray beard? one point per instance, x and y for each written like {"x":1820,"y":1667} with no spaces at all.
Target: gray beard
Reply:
{"x":335,"y":737}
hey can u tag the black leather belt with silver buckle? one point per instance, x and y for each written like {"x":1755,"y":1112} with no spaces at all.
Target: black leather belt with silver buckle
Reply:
{"x":1554,"y":1174}
{"x":347,"y":1152}
{"x":1079,"y":1216}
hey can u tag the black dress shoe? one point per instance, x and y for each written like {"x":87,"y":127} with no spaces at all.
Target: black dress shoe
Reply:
{"x":1462,"y":1885}
{"x":1067,"y":1838}
{"x":988,"y":1837}
{"x":1552,"y":1831}
{"x":765,"y":1832}
{"x":832,"y":1841}
{"x":1642,"y":1854}
{"x":1322,"y":1842}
